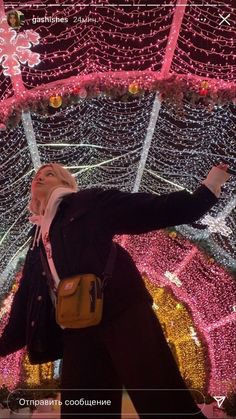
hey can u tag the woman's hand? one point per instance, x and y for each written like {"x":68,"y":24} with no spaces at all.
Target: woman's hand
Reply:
{"x":216,"y":178}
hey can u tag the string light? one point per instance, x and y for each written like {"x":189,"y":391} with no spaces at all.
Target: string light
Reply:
{"x":173,"y":278}
{"x":217,"y":225}
{"x":178,"y":328}
{"x":204,"y":46}
{"x":104,"y":42}
{"x":35,"y":374}
{"x":10,"y":366}
{"x":194,"y":336}
{"x":15,"y":49}
{"x":207,"y":292}
{"x":101,"y":139}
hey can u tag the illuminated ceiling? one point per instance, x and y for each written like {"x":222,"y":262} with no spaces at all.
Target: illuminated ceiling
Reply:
{"x":143,"y":144}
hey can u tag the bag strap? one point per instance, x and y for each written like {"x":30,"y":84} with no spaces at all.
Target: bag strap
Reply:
{"x":107,"y":273}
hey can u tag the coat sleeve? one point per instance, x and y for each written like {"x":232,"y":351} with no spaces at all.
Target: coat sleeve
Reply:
{"x":14,"y":334}
{"x":135,"y":213}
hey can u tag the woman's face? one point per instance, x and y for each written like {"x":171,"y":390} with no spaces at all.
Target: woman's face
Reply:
{"x":12,"y":20}
{"x":44,"y":182}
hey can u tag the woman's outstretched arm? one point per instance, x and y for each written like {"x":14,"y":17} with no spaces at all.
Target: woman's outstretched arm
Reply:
{"x":135,"y":213}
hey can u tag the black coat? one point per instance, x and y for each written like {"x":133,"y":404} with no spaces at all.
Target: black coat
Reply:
{"x":81,"y":235}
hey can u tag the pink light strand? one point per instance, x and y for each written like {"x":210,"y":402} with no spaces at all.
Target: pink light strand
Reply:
{"x":2,"y":9}
{"x":182,"y":265}
{"x":173,"y":37}
{"x":209,"y":294}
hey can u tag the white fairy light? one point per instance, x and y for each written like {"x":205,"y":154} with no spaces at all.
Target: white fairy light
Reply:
{"x":173,"y":278}
{"x":193,"y":334}
{"x":217,"y":225}
{"x":155,"y":306}
{"x":147,"y":142}
{"x":111,"y":161}
{"x":102,"y":139}
{"x":31,"y":140}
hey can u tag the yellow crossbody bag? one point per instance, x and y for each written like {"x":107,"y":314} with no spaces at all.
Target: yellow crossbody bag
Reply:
{"x":79,"y":301}
{"x":79,"y":298}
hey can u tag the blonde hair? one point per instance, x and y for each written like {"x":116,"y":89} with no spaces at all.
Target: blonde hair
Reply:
{"x":15,"y":14}
{"x":64,"y":175}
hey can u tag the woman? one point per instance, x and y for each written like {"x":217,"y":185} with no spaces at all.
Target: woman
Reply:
{"x":127,"y":348}
{"x":13,"y":20}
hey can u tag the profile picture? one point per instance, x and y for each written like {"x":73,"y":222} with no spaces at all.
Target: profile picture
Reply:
{"x":15,"y":19}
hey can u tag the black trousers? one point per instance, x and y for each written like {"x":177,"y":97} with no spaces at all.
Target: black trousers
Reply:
{"x":131,"y":352}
